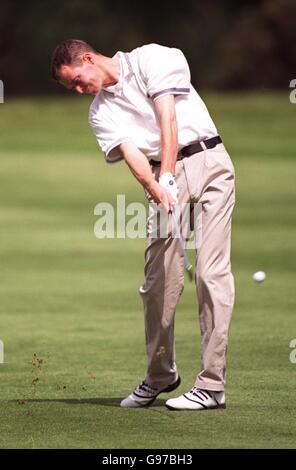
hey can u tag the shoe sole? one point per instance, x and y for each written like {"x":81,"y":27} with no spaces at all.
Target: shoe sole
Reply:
{"x":168,"y":389}
{"x":220,"y":407}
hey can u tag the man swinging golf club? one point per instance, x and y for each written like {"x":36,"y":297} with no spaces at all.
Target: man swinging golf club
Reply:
{"x":147,"y":113}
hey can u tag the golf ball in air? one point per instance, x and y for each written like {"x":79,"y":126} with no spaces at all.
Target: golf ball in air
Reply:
{"x":259,"y":276}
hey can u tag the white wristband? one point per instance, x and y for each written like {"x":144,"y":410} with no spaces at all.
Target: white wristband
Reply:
{"x":167,"y":181}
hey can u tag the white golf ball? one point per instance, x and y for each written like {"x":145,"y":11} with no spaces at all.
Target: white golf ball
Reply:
{"x":259,"y":276}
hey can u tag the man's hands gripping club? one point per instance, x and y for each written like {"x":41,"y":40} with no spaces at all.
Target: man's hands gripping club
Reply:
{"x":167,"y":181}
{"x":161,"y":195}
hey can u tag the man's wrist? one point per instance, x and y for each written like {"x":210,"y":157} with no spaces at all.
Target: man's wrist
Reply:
{"x":166,"y":170}
{"x":150,"y":185}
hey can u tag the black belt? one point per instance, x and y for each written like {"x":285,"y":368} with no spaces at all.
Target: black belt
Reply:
{"x":194,"y":148}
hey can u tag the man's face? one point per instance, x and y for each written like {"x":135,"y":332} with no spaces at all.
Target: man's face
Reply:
{"x":84,"y":77}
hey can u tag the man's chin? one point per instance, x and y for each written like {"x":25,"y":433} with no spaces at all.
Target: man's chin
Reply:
{"x":90,"y":90}
{"x":93,"y":91}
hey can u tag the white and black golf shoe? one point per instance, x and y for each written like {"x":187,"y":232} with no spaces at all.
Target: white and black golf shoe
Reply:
{"x":144,"y":394}
{"x":197,"y":399}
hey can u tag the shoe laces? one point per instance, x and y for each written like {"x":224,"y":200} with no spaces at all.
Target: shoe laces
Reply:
{"x":201,"y":394}
{"x":147,"y":388}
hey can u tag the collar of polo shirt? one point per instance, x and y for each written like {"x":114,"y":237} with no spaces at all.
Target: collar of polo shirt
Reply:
{"x":125,"y":71}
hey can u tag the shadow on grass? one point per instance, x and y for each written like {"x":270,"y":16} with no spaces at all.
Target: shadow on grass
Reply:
{"x":100,"y":401}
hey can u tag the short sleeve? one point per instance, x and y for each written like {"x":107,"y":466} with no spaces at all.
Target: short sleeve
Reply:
{"x":108,"y":135}
{"x":165,"y":70}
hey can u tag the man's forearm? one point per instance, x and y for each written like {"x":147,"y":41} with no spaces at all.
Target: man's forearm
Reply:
{"x":165,"y":108}
{"x":141,"y":169}
{"x":169,"y":146}
{"x":138,"y":165}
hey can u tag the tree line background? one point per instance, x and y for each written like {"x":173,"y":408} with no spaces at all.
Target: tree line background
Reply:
{"x":229,"y":44}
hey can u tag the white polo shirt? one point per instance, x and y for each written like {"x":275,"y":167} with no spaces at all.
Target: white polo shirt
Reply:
{"x":126,"y":112}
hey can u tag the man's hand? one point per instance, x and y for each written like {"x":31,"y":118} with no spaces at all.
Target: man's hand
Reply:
{"x":167,"y":181}
{"x":160,"y":195}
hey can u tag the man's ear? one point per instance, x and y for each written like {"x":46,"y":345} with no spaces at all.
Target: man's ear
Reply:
{"x":88,"y":57}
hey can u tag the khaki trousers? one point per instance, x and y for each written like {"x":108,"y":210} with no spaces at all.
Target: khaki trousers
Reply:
{"x":206,"y":178}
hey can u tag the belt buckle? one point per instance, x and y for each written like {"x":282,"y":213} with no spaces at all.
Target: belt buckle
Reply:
{"x":203,"y":145}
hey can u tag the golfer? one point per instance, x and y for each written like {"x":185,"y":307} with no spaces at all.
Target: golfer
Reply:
{"x":146,"y":113}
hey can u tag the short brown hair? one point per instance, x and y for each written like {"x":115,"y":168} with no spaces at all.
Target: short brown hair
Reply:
{"x":68,"y":52}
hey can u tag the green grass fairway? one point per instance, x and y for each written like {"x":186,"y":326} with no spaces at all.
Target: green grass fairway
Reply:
{"x":71,"y":316}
